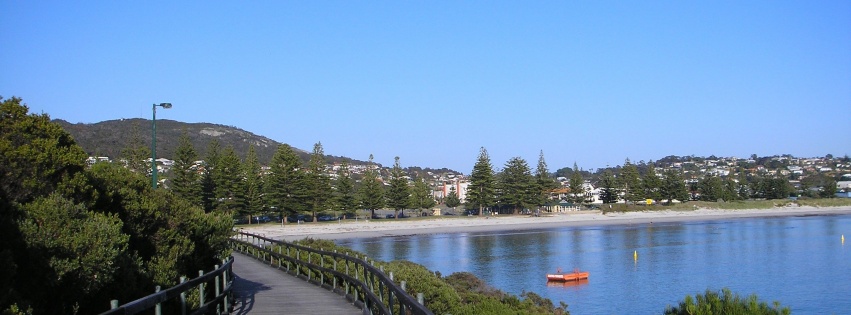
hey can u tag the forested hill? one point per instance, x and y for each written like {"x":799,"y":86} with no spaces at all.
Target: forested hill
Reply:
{"x":108,"y":138}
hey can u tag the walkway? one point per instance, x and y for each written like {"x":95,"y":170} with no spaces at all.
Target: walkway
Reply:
{"x":261,"y":289}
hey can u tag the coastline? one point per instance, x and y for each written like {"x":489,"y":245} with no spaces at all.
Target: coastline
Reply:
{"x":348,"y":229}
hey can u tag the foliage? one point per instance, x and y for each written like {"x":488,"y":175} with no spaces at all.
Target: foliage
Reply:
{"x":253,"y":183}
{"x":285,"y":185}
{"x":608,"y":187}
{"x":421,"y":195}
{"x":317,"y":181}
{"x":452,"y":199}
{"x":371,"y":192}
{"x":481,"y":192}
{"x":185,"y":181}
{"x":516,"y":185}
{"x":652,"y":183}
{"x":630,"y":182}
{"x":73,"y":238}
{"x":724,"y":302}
{"x":543,"y":182}
{"x":136,"y":152}
{"x":577,"y":194}
{"x":344,"y":194}
{"x":230,"y":189}
{"x":673,"y":187}
{"x":398,"y":195}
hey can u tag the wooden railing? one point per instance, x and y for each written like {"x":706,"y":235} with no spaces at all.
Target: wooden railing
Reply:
{"x":363,"y":284}
{"x":221,"y":277}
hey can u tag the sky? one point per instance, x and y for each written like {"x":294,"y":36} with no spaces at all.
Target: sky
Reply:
{"x":585,"y":82}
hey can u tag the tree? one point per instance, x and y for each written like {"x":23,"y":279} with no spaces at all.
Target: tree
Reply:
{"x":137,"y":152}
{"x":345,"y":198}
{"x":575,"y":183}
{"x":253,"y":188}
{"x":452,"y":199}
{"x":230,"y":187}
{"x":652,"y":183}
{"x":517,"y":186}
{"x":481,"y":190}
{"x":398,"y":195}
{"x":185,"y":182}
{"x":630,"y":181}
{"x":543,"y":182}
{"x":371,"y":192}
{"x":318,"y":182}
{"x":285,"y":183}
{"x":711,"y":188}
{"x":674,"y":187}
{"x":421,"y":195}
{"x":828,"y":190}
{"x":608,"y":187}
{"x":209,"y":178}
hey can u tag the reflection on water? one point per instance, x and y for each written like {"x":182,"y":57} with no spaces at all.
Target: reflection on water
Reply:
{"x":799,"y":261}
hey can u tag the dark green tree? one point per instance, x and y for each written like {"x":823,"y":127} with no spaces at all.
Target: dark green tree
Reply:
{"x":630,"y":181}
{"x":674,"y":187}
{"x":828,"y":189}
{"x":481,"y":192}
{"x":209,"y":178}
{"x":544,"y":184}
{"x":652,"y":183}
{"x":398,"y":194}
{"x":517,"y":185}
{"x":608,"y":187}
{"x":711,"y":188}
{"x":421,"y":197}
{"x":371,"y":192}
{"x":185,"y":182}
{"x":137,"y":153}
{"x":318,"y":182}
{"x":285,"y":184}
{"x":253,"y":188}
{"x":452,"y":199}
{"x":577,"y":192}
{"x":725,"y":302}
{"x":344,"y":192}
{"x":230,"y":188}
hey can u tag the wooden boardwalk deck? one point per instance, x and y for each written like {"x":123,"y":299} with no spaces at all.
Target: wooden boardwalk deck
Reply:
{"x":261,"y":289}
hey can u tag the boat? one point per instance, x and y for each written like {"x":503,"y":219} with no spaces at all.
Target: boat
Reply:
{"x":576,"y":275}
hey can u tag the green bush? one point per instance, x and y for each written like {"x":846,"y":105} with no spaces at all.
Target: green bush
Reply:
{"x":725,"y":302}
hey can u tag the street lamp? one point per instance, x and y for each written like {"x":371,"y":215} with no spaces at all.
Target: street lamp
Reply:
{"x":154,"y":143}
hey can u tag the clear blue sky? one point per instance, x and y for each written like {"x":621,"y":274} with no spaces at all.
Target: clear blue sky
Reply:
{"x":590,"y":82}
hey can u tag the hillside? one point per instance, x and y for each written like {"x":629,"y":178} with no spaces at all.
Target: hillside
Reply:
{"x":108,"y":138}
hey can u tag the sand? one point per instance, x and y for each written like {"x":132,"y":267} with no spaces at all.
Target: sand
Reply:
{"x":346,"y":229}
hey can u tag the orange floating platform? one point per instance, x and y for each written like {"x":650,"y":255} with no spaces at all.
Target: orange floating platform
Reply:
{"x":563,"y":277}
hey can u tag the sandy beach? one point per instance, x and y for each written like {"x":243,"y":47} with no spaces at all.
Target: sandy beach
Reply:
{"x":438,"y":225}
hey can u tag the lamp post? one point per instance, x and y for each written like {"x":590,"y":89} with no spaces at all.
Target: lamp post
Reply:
{"x":154,"y":143}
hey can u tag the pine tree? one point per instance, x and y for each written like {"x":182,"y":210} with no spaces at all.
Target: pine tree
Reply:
{"x":185,"y":182}
{"x":136,"y":153}
{"x":575,"y":183}
{"x":286,"y":182}
{"x":421,"y":195}
{"x":209,"y":178}
{"x":345,"y":198}
{"x":230,"y":187}
{"x":371,"y":192}
{"x":674,"y":187}
{"x":608,"y":187}
{"x":544,"y":184}
{"x":482,"y":188}
{"x":398,"y":195}
{"x":630,"y":182}
{"x":652,"y":183}
{"x":253,"y":188}
{"x":318,"y":182}
{"x":517,"y":185}
{"x":452,"y":199}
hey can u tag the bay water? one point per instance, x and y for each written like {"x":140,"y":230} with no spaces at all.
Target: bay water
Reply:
{"x":640,"y":269}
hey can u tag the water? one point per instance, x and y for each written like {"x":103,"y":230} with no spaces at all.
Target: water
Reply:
{"x":799,"y":261}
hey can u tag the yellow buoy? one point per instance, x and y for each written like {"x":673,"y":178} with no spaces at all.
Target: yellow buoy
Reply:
{"x":635,"y":255}
{"x":843,"y":238}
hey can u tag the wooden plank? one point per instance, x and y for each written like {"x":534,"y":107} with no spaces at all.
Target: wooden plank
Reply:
{"x":261,"y":289}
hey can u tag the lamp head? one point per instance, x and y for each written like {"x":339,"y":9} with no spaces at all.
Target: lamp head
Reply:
{"x":165,"y":105}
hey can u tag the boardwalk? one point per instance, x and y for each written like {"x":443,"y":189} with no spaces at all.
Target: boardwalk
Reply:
{"x":261,"y":289}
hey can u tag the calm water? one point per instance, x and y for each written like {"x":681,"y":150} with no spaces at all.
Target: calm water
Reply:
{"x":798,"y":261}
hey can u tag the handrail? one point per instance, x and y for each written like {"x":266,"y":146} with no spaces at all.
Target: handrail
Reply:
{"x":222,"y":289}
{"x":365,"y":285}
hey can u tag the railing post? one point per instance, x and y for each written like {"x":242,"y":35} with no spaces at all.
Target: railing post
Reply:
{"x":297,"y":258}
{"x":158,"y":310}
{"x":224,"y":287}
{"x":335,"y":270}
{"x":420,"y":298}
{"x":321,"y":264}
{"x":218,"y":289}
{"x":201,"y":287}
{"x":183,"y":298}
{"x":113,"y":304}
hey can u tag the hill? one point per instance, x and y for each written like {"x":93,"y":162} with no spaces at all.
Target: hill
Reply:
{"x":108,"y":138}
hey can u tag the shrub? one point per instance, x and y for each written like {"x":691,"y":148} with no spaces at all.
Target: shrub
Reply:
{"x":725,"y":302}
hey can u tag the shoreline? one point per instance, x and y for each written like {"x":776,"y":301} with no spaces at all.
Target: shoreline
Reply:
{"x":353,"y":229}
